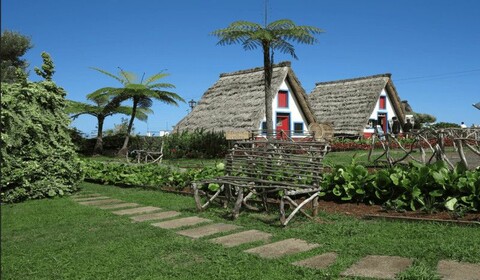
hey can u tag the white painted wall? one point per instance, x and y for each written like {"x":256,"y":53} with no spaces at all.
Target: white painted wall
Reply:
{"x":296,"y":115}
{"x":389,"y":110}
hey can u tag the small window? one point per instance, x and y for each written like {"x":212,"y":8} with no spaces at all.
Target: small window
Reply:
{"x":298,"y":128}
{"x":264,"y":128}
{"x":282,"y":99}
{"x":383,"y":102}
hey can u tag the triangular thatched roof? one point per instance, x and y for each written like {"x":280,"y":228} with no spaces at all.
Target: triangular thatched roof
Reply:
{"x":237,"y":101}
{"x":349,"y":103}
{"x":406,"y":107}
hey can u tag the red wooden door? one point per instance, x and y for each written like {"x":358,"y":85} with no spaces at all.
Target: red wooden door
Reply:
{"x":283,"y":126}
{"x":382,"y":121}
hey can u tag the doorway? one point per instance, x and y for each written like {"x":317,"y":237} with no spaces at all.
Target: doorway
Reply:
{"x":283,"y":125}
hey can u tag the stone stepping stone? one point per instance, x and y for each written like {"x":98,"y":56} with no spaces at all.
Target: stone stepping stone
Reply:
{"x":207,"y":230}
{"x":453,"y":270}
{"x":85,"y":195}
{"x":90,"y":198}
{"x":139,"y":210}
{"x":282,"y":248}
{"x":243,"y":237}
{"x":155,"y":216}
{"x":383,"y":267}
{"x":318,"y":262}
{"x":182,"y":222}
{"x":100,"y":202}
{"x":118,"y":206}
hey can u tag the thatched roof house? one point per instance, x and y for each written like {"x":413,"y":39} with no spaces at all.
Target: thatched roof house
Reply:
{"x":354,"y":106}
{"x":236,"y":102}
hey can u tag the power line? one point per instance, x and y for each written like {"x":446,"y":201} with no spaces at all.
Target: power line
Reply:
{"x":438,"y":76}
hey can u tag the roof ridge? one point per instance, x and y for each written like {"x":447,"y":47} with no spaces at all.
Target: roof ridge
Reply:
{"x":389,"y":75}
{"x":256,"y":69}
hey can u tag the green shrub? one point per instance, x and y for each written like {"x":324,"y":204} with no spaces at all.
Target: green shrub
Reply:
{"x":146,"y":175}
{"x":196,"y":144}
{"x":38,"y":157}
{"x":412,"y":187}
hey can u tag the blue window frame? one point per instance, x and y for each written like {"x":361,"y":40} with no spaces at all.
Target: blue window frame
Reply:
{"x":298,"y":128}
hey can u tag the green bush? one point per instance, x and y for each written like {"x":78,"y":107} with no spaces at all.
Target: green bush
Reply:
{"x":416,"y":186}
{"x":196,"y":144}
{"x":38,"y":157}
{"x":146,"y":175}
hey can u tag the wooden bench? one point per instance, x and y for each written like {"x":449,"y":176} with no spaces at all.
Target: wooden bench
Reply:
{"x":281,"y":170}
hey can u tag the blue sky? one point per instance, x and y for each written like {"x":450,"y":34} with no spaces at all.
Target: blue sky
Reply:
{"x":431,"y":47}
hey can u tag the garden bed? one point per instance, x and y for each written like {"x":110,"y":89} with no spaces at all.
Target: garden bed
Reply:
{"x":373,"y":211}
{"x":360,"y":210}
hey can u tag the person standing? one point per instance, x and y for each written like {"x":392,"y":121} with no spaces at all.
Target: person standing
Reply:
{"x":463,"y":125}
{"x":407,"y":127}
{"x":395,"y":126}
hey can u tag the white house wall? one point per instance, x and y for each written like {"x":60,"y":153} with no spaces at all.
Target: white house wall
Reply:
{"x":389,"y":110}
{"x":296,"y":115}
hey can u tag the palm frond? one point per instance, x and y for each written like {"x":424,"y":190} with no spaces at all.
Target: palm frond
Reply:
{"x":109,"y":74}
{"x":161,"y":85}
{"x":168,"y":97}
{"x":136,"y":87}
{"x":130,"y":77}
{"x":141,"y":114}
{"x":145,"y":102}
{"x":76,"y":109}
{"x":281,"y":24}
{"x":106,"y":91}
{"x":155,"y":77}
{"x":237,"y":32}
{"x":251,"y":44}
{"x":284,"y":47}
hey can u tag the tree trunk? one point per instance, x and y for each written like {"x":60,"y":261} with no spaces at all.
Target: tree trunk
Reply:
{"x":98,"y":149}
{"x":124,"y":150}
{"x":267,"y":69}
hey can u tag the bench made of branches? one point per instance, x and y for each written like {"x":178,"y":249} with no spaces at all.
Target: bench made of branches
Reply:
{"x":273,"y":169}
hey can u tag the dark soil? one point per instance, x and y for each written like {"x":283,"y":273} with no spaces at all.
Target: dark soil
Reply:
{"x":361,"y":210}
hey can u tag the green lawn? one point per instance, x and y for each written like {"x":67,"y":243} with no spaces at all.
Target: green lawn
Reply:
{"x":60,"y":239}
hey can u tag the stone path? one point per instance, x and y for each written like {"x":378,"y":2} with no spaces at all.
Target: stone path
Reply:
{"x":453,"y":270}
{"x":183,"y":222}
{"x":99,"y":202}
{"x":282,"y":248}
{"x":377,"y":267}
{"x":139,"y":210}
{"x":240,"y":238}
{"x":383,"y":267}
{"x":118,"y":206}
{"x":318,"y":262}
{"x":155,"y":216}
{"x":207,"y":230}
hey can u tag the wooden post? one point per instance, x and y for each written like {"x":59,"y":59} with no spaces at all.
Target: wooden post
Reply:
{"x":315,"y":206}
{"x":196,"y":195}
{"x":282,"y":210}
{"x":238,"y":203}
{"x":463,"y":159}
